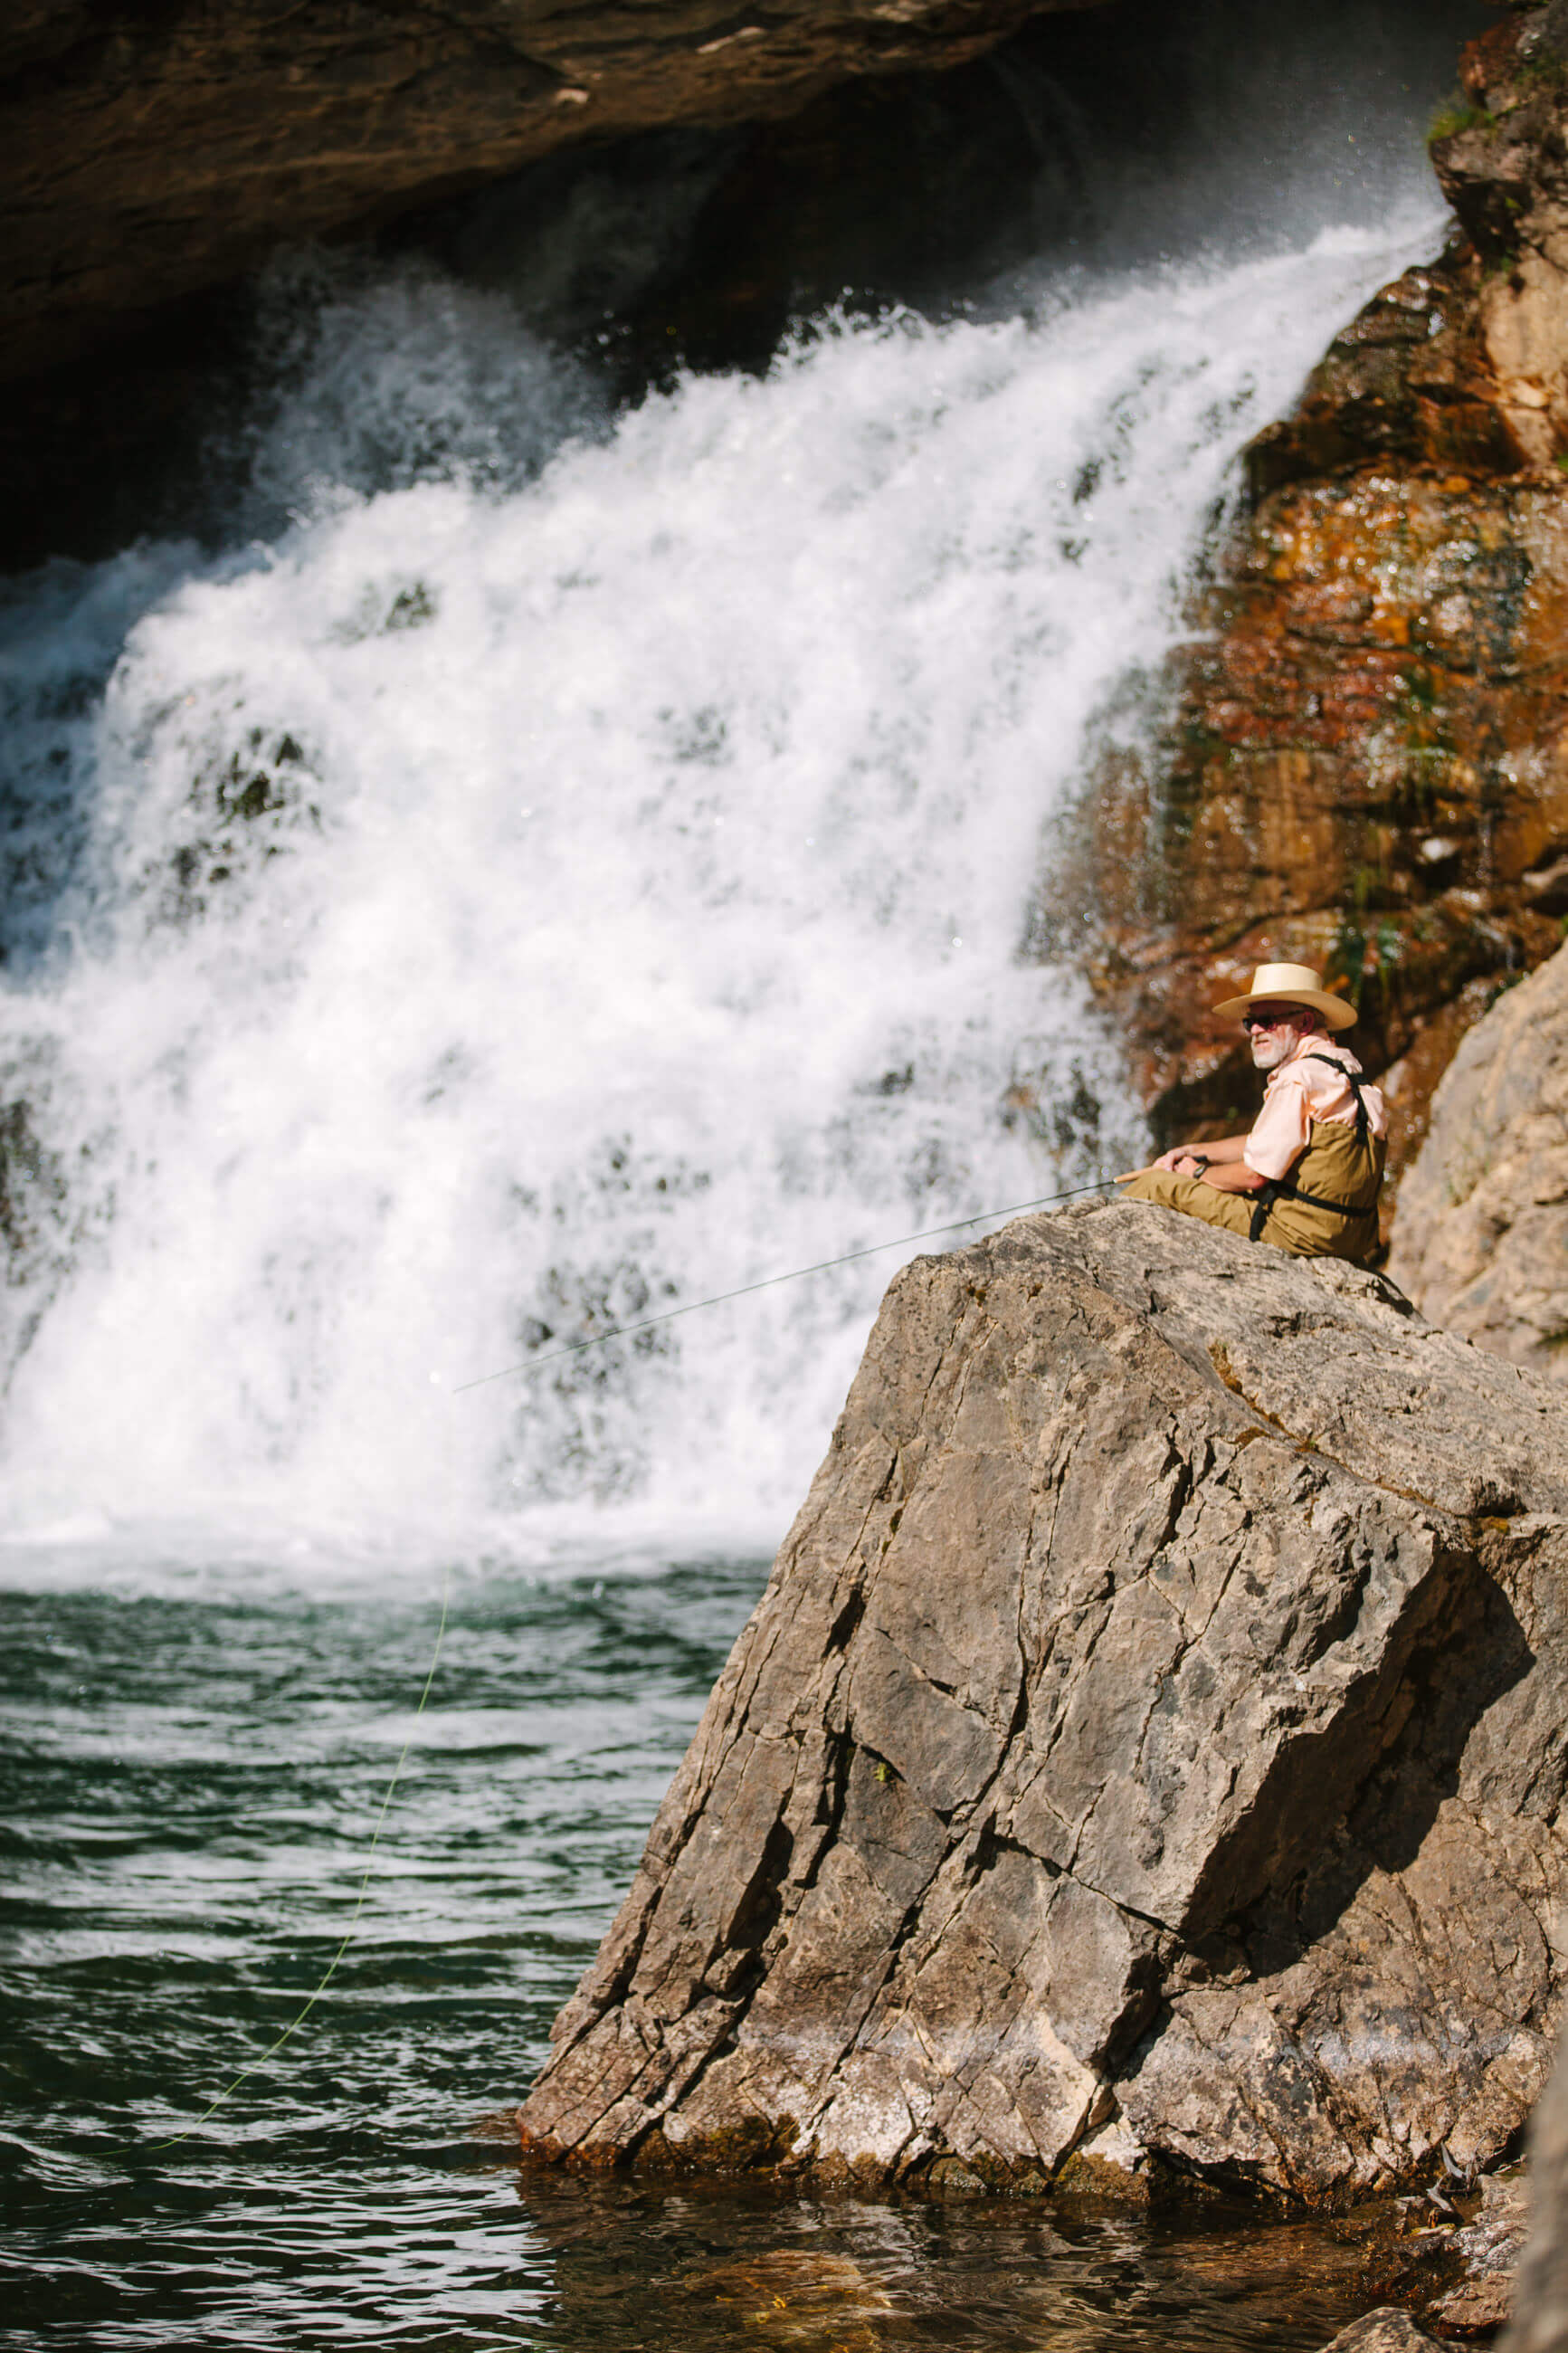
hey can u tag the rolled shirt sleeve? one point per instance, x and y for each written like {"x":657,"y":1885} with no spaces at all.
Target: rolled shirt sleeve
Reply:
{"x":1283,"y":1128}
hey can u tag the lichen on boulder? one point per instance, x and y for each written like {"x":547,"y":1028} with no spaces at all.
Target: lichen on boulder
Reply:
{"x":1147,"y":1752}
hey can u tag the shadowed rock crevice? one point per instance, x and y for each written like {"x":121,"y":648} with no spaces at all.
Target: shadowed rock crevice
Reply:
{"x":1104,"y":1770}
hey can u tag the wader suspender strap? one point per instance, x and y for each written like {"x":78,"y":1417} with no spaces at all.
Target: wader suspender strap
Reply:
{"x":1285,"y":1187}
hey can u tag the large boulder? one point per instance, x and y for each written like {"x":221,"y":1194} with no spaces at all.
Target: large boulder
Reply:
{"x":1146,"y":1753}
{"x":1481,"y":1242}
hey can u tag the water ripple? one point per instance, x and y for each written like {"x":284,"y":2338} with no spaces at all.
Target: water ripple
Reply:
{"x":191,"y":1785}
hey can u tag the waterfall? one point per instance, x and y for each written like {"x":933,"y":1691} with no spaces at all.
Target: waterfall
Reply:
{"x":493,"y":906}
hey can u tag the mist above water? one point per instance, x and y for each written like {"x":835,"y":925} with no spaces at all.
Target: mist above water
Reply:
{"x":577,"y":858}
{"x":1115,"y":138}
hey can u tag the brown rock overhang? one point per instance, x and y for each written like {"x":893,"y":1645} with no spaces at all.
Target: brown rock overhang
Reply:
{"x":149,"y":151}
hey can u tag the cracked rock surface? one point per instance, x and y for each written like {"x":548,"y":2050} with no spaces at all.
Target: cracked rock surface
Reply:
{"x":1149,"y":1746}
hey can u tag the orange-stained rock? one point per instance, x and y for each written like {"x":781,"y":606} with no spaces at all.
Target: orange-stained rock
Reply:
{"x":1365,"y":760}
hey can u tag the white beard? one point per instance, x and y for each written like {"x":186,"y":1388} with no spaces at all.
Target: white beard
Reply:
{"x":1272,"y":1046}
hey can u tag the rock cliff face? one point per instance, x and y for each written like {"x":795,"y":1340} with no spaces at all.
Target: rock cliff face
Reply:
{"x":1367,"y":765}
{"x":1482,"y":1240}
{"x":1147,"y":1752}
{"x":145,"y":152}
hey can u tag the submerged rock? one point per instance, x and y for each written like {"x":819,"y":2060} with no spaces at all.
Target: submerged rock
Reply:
{"x":1481,"y":1244}
{"x":1147,"y":1752}
{"x":1387,"y":2330}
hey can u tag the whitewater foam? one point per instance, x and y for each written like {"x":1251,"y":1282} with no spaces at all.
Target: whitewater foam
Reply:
{"x":494,"y":915}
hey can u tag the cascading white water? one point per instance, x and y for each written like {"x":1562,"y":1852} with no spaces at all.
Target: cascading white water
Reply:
{"x":492,"y":915}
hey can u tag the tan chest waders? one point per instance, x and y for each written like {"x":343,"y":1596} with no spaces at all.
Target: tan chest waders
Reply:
{"x":1326,"y":1206}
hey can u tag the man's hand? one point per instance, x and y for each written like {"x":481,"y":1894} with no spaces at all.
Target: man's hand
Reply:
{"x":1207,"y":1160}
{"x":1181,"y":1160}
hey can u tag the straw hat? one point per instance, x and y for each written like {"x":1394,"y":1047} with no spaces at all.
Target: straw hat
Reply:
{"x":1291,"y":984}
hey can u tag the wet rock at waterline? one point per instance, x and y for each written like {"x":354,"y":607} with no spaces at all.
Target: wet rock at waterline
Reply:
{"x":1148,"y":1749}
{"x":1449,"y":2251}
{"x":1488,"y":2245}
{"x":1481,"y":1244}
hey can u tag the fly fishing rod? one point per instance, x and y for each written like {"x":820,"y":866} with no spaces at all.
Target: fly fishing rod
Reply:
{"x":303,"y":2012}
{"x":794,"y":1275}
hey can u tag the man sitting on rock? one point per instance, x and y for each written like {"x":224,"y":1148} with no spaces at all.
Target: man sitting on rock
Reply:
{"x":1305,"y":1177}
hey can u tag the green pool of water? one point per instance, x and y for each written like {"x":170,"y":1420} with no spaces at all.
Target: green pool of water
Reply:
{"x":192,"y":1764}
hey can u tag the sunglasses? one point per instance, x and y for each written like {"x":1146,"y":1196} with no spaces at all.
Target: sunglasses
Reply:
{"x":1261,"y":1018}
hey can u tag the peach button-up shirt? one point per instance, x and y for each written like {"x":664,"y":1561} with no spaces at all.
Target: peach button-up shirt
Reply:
{"x":1301,"y":1091}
